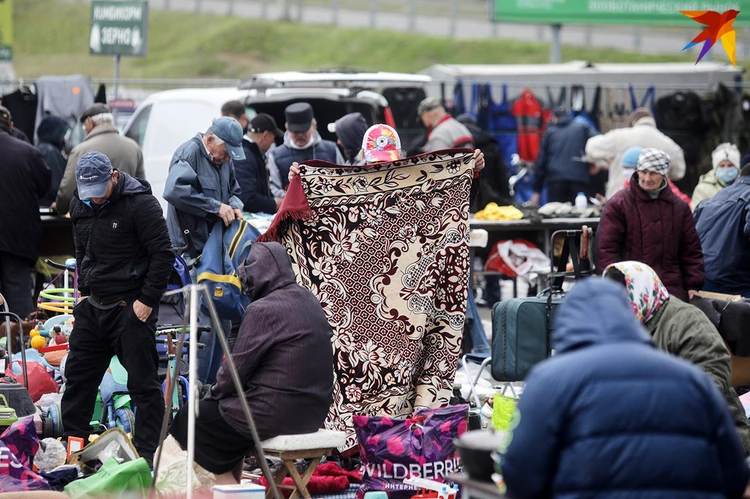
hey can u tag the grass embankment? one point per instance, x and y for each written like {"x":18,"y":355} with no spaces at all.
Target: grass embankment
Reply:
{"x":52,"y":38}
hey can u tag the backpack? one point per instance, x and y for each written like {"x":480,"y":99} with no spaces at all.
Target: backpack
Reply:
{"x":225,"y":250}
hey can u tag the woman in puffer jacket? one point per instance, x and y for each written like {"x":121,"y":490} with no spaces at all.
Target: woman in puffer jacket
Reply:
{"x":726,"y":169}
{"x":682,"y":330}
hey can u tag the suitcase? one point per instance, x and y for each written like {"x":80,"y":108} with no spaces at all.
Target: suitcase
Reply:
{"x":520,"y":335}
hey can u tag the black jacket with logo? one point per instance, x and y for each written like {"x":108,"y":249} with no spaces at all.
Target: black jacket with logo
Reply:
{"x":123,"y":248}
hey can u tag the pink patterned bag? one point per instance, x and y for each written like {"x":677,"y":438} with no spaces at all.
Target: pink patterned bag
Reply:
{"x":420,"y":446}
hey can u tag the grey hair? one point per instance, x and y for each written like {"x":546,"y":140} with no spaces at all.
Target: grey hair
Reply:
{"x":217,"y":140}
{"x":100,"y":119}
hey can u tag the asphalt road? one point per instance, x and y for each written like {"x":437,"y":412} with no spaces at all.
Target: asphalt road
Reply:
{"x":652,"y":40}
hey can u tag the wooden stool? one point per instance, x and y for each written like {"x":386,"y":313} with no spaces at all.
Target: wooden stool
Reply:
{"x":312,"y":446}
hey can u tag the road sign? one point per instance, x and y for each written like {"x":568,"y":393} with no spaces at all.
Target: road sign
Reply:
{"x":118,"y":28}
{"x":6,"y":30}
{"x":623,"y":12}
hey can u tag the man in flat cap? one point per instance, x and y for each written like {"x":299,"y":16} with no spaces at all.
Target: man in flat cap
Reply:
{"x":302,"y":142}
{"x":443,"y":131}
{"x":101,"y":136}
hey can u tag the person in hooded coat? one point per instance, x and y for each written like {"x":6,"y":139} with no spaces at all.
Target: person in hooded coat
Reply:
{"x":284,"y":360}
{"x":51,"y":144}
{"x":349,"y":130}
{"x":725,"y":160}
{"x":683,"y":330}
{"x":610,"y":416}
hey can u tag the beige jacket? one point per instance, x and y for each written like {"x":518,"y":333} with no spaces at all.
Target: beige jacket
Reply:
{"x":708,"y":186}
{"x":612,"y":145}
{"x":123,"y":152}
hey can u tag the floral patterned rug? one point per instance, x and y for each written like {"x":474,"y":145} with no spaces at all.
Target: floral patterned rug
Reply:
{"x":385,"y":248}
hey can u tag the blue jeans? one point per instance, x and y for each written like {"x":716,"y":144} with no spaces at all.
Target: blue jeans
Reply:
{"x":211,"y":355}
{"x":478,"y":338}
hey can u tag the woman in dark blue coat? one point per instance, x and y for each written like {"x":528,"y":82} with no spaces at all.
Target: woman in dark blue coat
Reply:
{"x":610,"y":416}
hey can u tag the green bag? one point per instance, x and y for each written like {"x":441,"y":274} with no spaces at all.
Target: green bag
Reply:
{"x":113,"y":479}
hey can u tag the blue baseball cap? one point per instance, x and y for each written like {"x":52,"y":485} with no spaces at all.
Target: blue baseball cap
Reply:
{"x":630,"y":157}
{"x":230,"y":131}
{"x":93,"y":172}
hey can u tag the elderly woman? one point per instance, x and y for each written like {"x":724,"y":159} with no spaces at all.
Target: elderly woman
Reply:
{"x":648,"y":223}
{"x":682,"y":330}
{"x":726,"y":169}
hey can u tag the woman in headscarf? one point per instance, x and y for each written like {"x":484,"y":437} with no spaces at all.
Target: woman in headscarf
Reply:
{"x":726,"y":168}
{"x":682,"y":330}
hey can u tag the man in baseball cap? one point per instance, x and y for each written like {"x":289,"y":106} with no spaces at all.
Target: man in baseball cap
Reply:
{"x":202,"y":189}
{"x":229,"y":132}
{"x":252,"y":173}
{"x":95,"y":177}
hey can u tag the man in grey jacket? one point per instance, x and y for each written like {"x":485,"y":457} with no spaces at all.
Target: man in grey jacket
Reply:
{"x":201,"y":189}
{"x":443,"y":131}
{"x":101,"y":136}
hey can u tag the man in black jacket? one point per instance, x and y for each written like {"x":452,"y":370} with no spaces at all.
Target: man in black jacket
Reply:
{"x":24,"y":180}
{"x":124,"y":259}
{"x":252,"y":173}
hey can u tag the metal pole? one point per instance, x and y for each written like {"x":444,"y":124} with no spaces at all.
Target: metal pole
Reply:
{"x":412,"y":15}
{"x":335,"y":12}
{"x":454,"y":19}
{"x":230,"y":8}
{"x":264,"y":9}
{"x":299,"y":11}
{"x":117,"y":75}
{"x":285,"y":14}
{"x":198,"y":5}
{"x":637,"y":38}
{"x":587,"y":36}
{"x":373,"y":12}
{"x":555,"y":45}
{"x":192,"y":379}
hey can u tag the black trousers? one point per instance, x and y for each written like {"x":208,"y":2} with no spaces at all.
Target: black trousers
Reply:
{"x":97,"y":336}
{"x":565,"y":191}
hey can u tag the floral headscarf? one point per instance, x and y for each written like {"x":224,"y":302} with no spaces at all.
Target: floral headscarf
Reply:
{"x":646,"y":292}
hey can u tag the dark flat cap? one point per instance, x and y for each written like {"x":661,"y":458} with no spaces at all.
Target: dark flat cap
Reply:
{"x":94,"y":110}
{"x":298,"y":116}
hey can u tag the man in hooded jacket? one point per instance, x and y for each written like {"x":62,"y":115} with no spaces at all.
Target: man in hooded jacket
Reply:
{"x":302,"y":142}
{"x":285,"y":363}
{"x":610,"y":414}
{"x":124,"y":259}
{"x":51,"y":134}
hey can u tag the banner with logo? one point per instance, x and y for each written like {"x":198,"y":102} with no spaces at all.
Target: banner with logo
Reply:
{"x":118,"y":28}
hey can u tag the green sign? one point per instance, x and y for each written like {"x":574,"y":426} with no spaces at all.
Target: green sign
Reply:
{"x":6,"y":30}
{"x":623,"y":12}
{"x":118,"y":28}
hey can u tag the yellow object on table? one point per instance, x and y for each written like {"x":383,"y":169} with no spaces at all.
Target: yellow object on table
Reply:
{"x":494,"y":212}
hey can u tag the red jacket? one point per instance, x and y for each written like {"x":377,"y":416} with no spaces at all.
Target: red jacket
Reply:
{"x":660,"y":233}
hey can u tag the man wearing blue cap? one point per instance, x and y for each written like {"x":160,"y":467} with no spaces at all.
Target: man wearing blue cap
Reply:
{"x":124,"y":258}
{"x":201,"y":189}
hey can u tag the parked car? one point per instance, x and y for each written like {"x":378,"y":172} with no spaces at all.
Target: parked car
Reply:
{"x":167,"y":119}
